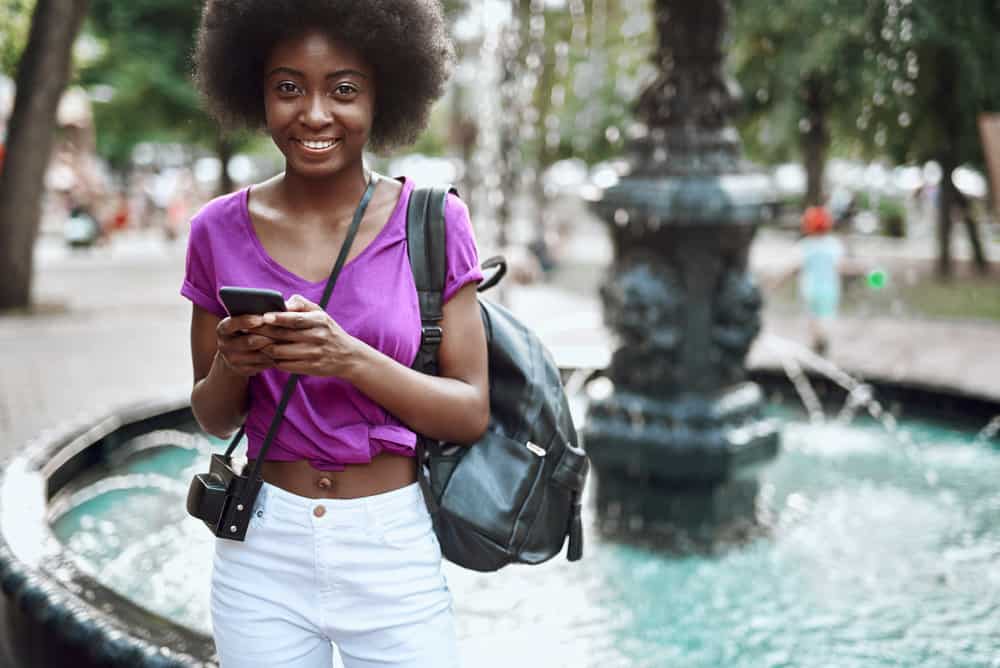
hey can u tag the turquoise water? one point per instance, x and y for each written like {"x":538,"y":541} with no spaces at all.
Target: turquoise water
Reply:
{"x":875,"y":552}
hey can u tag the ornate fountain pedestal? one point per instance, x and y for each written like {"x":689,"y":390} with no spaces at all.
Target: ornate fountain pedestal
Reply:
{"x":681,"y":417}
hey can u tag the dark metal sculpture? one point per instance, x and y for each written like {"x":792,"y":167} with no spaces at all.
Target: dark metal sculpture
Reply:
{"x":682,"y":416}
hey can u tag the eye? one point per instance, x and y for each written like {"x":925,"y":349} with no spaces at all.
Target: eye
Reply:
{"x":345,"y":90}
{"x":287,"y":88}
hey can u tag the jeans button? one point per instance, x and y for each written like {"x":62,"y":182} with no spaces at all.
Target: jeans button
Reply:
{"x":319,"y":511}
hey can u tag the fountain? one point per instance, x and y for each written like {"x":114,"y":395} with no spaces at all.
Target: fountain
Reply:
{"x":881,"y":533}
{"x":682,"y":418}
{"x":62,"y":614}
{"x":880,"y":540}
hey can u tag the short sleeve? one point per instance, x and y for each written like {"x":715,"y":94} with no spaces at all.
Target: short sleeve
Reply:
{"x":837,"y":249}
{"x":460,"y":248}
{"x":199,"y":269}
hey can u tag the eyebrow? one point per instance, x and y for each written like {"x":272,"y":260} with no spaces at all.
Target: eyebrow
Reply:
{"x":331,"y":75}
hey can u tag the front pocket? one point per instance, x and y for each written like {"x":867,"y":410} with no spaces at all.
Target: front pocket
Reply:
{"x":489,"y":486}
{"x":413,"y":533}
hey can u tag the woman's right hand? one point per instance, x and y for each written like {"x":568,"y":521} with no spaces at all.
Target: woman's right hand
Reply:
{"x":240,"y":348}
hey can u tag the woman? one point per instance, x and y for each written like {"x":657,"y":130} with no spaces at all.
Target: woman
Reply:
{"x":340,"y":548}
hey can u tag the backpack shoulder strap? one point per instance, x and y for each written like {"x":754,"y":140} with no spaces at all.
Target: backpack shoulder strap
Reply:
{"x":425,"y":230}
{"x":425,"y":239}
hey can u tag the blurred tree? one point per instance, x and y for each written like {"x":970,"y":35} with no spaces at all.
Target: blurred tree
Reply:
{"x":598,"y":54}
{"x":802,"y":65}
{"x":42,"y":74}
{"x":571,"y":72}
{"x":147,"y":63}
{"x":936,"y":73}
{"x":15,"y":19}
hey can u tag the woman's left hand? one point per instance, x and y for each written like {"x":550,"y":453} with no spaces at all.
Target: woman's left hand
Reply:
{"x":308,"y":341}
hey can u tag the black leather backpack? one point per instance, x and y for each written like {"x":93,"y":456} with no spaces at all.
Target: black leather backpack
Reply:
{"x":513,"y":496}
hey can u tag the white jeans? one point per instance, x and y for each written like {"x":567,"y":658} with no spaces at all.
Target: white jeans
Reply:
{"x":364,"y":574}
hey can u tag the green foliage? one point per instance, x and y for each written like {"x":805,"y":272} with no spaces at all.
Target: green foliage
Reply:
{"x":937,"y":71}
{"x":794,"y":60}
{"x":146,"y":61}
{"x":587,"y":79}
{"x":892,"y":216}
{"x":891,"y":207}
{"x":15,"y":22}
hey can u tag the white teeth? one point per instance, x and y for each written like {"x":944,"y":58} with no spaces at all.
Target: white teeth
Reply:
{"x":318,"y":145}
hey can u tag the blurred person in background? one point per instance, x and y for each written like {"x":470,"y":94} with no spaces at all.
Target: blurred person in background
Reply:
{"x":819,"y":265}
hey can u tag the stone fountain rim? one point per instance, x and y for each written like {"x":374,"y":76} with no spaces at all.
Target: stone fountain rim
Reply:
{"x":59,"y":604}
{"x":53,"y":604}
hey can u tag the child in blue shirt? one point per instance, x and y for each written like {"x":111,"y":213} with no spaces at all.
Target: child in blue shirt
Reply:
{"x":819,"y":267}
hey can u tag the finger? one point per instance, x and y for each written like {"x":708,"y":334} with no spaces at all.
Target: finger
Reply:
{"x":300,"y":303}
{"x":234,"y":325}
{"x":294,"y":320}
{"x":286,"y":335}
{"x":300,"y":367}
{"x":236,"y":347}
{"x":253,"y":369}
{"x":244,"y":361}
{"x":291,"y":351}
{"x":254,"y":341}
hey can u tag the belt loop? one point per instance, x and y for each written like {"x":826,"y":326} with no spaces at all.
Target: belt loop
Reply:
{"x":261,"y":501}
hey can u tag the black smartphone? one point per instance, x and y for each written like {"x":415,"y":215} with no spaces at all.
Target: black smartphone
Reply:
{"x":250,"y":301}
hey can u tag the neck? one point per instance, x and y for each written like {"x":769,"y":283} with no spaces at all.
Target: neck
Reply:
{"x":333,"y":193}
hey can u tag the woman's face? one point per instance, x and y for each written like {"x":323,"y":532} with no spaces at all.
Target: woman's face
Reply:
{"x":319,"y":103}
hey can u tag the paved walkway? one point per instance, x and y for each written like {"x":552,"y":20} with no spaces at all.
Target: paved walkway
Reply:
{"x":110,"y":329}
{"x":956,"y":355}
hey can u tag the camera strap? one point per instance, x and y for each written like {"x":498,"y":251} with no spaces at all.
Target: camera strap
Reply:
{"x":294,"y":378}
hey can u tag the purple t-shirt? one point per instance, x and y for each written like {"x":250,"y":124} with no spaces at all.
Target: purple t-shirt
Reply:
{"x":327,"y":421}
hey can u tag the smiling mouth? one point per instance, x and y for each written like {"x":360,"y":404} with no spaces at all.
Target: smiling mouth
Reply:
{"x":318,"y":145}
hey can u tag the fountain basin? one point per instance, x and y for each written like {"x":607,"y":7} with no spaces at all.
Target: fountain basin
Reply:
{"x":57,"y":613}
{"x":685,"y":441}
{"x":872,"y":550}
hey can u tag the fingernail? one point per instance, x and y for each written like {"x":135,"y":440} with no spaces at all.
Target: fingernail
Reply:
{"x":268,"y":319}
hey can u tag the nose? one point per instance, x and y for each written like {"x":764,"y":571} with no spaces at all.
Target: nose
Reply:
{"x":316,"y":114}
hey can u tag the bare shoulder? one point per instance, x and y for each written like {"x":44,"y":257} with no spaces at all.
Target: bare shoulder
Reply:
{"x":390,"y":191}
{"x":383,"y":202}
{"x":262,"y":201}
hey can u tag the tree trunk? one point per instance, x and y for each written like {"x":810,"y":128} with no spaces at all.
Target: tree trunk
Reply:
{"x":224,"y":151}
{"x":950,"y":123}
{"x":978,"y":254}
{"x":41,"y":77}
{"x":815,"y":140}
{"x":946,"y":199}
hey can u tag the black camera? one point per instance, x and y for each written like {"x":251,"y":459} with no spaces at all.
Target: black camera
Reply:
{"x":223,"y":498}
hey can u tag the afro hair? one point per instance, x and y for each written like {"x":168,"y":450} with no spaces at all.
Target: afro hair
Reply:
{"x":405,"y":41}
